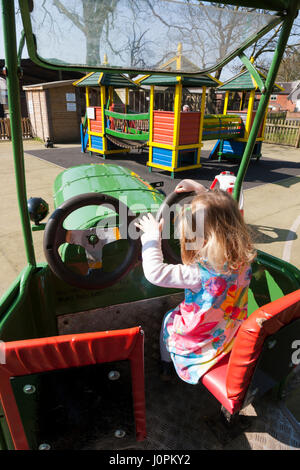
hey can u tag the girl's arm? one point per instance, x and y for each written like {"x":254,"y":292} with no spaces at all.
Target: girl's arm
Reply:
{"x":157,"y":272}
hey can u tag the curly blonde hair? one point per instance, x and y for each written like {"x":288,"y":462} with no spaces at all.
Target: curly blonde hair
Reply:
{"x":223,"y":240}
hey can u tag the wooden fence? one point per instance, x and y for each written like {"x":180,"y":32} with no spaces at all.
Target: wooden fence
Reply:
{"x":5,"y":132}
{"x":283,"y":131}
{"x":277,"y":131}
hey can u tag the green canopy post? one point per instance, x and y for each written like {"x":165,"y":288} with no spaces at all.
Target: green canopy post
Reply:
{"x":270,"y":80}
{"x":13,"y":91}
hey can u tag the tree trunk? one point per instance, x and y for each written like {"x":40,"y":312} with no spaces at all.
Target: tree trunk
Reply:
{"x":93,"y":48}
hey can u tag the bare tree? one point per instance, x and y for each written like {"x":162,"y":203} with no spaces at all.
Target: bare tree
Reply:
{"x":289,"y":69}
{"x":144,"y":33}
{"x":92,"y":22}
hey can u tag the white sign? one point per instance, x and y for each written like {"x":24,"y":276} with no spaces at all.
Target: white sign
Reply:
{"x":90,"y":113}
{"x":30,"y":106}
{"x":70,"y":97}
{"x":71,"y":106}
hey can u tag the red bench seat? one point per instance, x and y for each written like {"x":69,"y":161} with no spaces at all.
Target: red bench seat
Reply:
{"x":229,"y":379}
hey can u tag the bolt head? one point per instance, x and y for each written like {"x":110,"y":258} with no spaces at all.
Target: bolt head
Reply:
{"x":114,"y":375}
{"x":93,"y":239}
{"x":119,"y":433}
{"x":44,"y":446}
{"x":29,"y":389}
{"x":272,"y":343}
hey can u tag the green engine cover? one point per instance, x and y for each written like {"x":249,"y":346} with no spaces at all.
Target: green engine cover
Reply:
{"x":114,"y":180}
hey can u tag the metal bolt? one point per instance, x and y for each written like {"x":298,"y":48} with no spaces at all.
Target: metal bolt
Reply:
{"x":119,"y":433}
{"x":93,"y":239}
{"x":29,"y":389}
{"x":271,"y":343}
{"x":114,"y":375}
{"x":44,"y":446}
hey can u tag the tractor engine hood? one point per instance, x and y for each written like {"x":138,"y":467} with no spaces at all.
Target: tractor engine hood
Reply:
{"x":113,"y":180}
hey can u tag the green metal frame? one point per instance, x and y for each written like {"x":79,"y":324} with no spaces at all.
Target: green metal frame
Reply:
{"x":13,"y":91}
{"x":274,"y":5}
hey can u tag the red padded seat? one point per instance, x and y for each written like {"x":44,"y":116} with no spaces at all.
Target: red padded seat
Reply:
{"x":62,"y":352}
{"x":229,"y":379}
{"x":215,"y":382}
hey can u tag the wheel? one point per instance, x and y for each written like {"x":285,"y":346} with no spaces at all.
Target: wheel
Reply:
{"x":166,"y":212}
{"x":91,"y":239}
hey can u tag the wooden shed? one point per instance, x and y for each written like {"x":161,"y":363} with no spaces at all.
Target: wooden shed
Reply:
{"x":54,"y":109}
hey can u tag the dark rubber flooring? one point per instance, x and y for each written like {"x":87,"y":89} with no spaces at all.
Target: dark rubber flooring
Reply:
{"x":266,"y":170}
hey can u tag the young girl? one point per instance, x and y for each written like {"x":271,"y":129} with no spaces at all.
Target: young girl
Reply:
{"x":215,"y":275}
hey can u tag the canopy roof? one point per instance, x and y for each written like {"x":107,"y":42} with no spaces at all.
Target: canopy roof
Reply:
{"x":244,"y":81}
{"x":140,"y":36}
{"x":187,"y":81}
{"x":96,"y":79}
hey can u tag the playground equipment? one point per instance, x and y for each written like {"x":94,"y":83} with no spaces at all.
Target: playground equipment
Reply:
{"x":72,"y":372}
{"x":175,"y":137}
{"x":99,"y":132}
{"x":243,"y":83}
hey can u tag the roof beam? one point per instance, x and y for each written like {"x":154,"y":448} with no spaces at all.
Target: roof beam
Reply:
{"x":252,"y":70}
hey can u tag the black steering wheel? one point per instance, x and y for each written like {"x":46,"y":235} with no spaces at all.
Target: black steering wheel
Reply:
{"x":165,"y":212}
{"x":91,"y":239}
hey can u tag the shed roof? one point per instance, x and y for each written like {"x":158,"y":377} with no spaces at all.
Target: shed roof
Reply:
{"x":171,"y":80}
{"x":96,"y":79}
{"x":43,"y":86}
{"x":289,"y":87}
{"x":244,"y":81}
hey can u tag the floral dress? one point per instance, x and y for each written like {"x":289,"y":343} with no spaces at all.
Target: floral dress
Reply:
{"x":201,"y":329}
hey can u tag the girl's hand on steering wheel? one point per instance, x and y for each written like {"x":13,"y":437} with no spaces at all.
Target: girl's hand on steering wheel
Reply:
{"x":187,"y":185}
{"x":148,"y":225}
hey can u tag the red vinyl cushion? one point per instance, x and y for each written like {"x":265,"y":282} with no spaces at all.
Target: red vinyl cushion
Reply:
{"x":215,"y":381}
{"x":250,"y":339}
{"x":60,"y":352}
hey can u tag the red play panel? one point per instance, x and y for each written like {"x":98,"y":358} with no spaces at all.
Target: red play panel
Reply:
{"x":62,"y":352}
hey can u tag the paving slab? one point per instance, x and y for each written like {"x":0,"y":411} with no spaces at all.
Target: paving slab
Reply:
{"x":40,"y":176}
{"x":271,"y":194}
